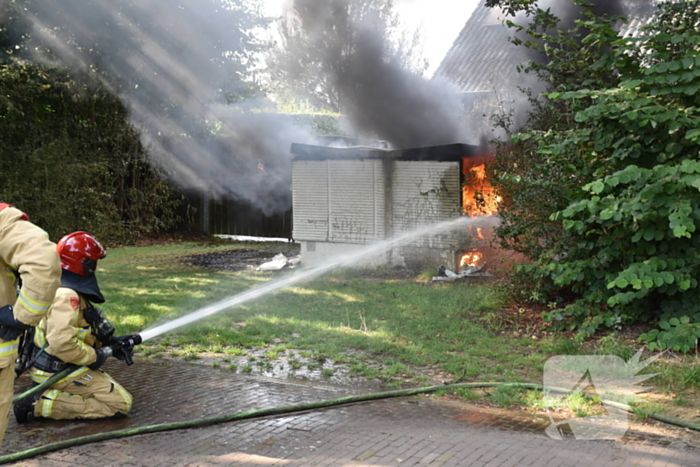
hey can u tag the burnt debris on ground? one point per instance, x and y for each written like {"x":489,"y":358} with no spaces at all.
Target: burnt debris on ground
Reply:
{"x":236,"y":260}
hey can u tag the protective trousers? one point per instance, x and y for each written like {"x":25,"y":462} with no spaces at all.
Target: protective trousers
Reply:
{"x":91,"y":394}
{"x":7,"y":380}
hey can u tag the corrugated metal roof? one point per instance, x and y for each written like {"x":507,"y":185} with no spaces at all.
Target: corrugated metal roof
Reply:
{"x":482,"y":59}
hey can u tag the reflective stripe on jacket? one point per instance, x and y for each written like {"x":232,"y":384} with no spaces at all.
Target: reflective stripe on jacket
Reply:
{"x":8,"y":348}
{"x":26,"y":249}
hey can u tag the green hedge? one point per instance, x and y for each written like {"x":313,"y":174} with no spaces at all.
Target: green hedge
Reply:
{"x":71,"y":160}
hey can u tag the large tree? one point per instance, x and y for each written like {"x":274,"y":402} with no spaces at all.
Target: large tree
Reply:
{"x":90,"y":88}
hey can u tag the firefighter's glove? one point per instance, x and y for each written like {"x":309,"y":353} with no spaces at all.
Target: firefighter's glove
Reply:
{"x":10,"y":328}
{"x":101,"y":354}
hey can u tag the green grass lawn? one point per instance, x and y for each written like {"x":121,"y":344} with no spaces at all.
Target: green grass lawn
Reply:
{"x":394,"y":328}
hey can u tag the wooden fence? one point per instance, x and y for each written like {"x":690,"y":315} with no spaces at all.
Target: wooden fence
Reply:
{"x":233,"y":217}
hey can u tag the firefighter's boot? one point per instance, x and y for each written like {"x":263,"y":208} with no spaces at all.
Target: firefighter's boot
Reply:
{"x":24,"y":409}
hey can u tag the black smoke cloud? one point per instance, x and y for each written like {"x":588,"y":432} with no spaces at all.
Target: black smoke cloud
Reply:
{"x":400,"y":106}
{"x":376,"y":92}
{"x":174,"y":65}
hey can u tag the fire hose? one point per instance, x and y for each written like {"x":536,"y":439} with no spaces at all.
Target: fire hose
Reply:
{"x":253,"y":414}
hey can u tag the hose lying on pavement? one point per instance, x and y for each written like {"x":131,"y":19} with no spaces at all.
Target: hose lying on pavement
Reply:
{"x":292,"y":409}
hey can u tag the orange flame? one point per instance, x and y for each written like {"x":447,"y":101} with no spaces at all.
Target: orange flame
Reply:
{"x":471,"y":260}
{"x":476,"y":232}
{"x":479,"y":196}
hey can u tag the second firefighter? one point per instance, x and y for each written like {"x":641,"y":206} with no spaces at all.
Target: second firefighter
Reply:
{"x":74,"y":333}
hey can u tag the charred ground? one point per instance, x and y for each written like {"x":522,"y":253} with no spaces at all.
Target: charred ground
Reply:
{"x":235,"y":260}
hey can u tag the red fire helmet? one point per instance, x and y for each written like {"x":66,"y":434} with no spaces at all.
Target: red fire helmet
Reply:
{"x":79,"y":253}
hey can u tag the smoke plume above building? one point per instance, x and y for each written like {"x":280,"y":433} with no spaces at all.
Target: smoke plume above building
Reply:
{"x":182,"y":69}
{"x":377,"y":93}
{"x":400,"y":106}
{"x":178,"y":66}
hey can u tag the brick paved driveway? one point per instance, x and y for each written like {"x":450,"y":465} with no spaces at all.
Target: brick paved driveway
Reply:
{"x":419,"y":430}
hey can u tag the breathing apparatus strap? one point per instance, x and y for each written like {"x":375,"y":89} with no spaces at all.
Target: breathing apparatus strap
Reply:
{"x":101,"y":327}
{"x":28,"y":352}
{"x":47,"y":362}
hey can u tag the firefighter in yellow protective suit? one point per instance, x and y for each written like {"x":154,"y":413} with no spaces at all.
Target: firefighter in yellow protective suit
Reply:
{"x":25,"y":252}
{"x":76,"y":333}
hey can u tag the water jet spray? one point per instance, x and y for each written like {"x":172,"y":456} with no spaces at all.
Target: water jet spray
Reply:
{"x":342,"y":260}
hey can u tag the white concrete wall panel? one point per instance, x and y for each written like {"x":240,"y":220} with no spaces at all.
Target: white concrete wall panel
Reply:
{"x":339,"y":200}
{"x":345,"y":201}
{"x":310,"y":200}
{"x":425,"y":193}
{"x":356,"y":201}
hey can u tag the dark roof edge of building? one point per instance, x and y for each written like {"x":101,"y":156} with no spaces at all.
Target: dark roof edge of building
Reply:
{"x":441,"y":153}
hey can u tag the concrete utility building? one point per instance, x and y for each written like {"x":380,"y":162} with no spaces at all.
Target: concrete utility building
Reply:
{"x":347,"y":197}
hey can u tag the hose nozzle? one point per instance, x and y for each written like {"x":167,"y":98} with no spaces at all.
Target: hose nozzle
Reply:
{"x":135,"y":339}
{"x":125,"y":347}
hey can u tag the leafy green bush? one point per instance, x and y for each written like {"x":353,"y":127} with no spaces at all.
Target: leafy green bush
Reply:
{"x":628,"y":246}
{"x":636,"y":254}
{"x":543,"y":166}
